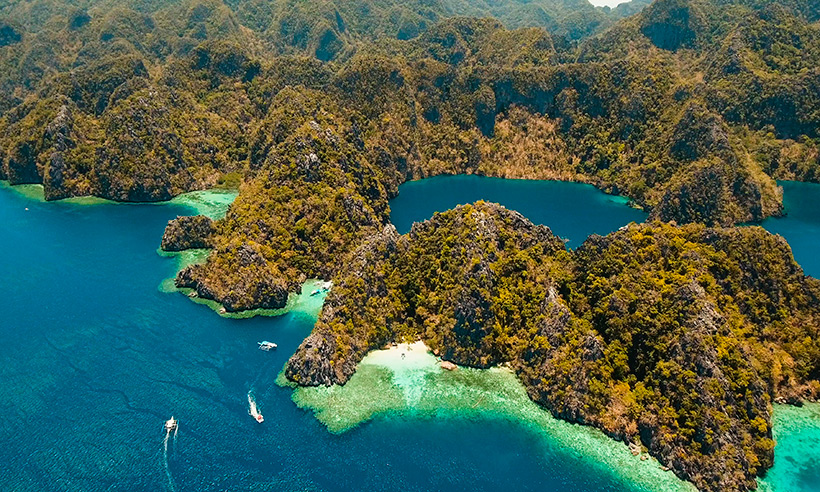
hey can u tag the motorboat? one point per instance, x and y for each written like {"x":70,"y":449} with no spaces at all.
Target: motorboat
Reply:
{"x":171,"y":425}
{"x":254,"y":411}
{"x":267,"y":346}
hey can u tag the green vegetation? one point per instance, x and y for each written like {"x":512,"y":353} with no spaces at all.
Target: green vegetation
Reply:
{"x":322,"y":146}
{"x":144,"y":102}
{"x":677,"y":339}
{"x":318,"y":110}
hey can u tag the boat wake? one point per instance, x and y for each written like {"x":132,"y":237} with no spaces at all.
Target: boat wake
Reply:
{"x":169,"y":428}
{"x":253,"y":411}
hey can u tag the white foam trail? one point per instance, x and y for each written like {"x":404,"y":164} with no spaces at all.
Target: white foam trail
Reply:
{"x":253,"y":411}
{"x":263,"y":371}
{"x":165,"y":460}
{"x":176,"y":429}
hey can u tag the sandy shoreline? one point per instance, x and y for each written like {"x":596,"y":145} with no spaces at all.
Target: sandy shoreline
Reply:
{"x":416,"y":386}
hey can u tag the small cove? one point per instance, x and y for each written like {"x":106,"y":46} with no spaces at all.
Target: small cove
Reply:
{"x":572,"y":211}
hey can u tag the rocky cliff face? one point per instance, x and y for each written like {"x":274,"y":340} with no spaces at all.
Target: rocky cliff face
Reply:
{"x":713,"y":184}
{"x":660,"y":336}
{"x":330,"y":354}
{"x":459,"y":322}
{"x":254,"y":283}
{"x":673,"y":24}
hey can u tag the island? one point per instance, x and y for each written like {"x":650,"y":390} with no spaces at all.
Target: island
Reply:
{"x":677,"y":339}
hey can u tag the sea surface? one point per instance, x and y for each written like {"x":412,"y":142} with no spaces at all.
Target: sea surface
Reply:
{"x":95,"y":355}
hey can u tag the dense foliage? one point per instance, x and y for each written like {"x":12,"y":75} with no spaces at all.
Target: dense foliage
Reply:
{"x":674,"y":338}
{"x":465,"y":95}
{"x":690,"y":108}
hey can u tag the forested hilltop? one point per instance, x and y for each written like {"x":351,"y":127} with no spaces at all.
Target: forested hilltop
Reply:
{"x":690,"y":108}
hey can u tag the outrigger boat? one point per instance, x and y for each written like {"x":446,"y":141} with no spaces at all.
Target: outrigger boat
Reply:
{"x":267,"y":346}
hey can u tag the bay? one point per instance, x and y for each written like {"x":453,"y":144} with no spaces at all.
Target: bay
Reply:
{"x":95,"y":355}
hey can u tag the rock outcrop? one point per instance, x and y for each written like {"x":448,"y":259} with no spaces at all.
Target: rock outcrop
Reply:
{"x":188,"y":232}
{"x":713,"y":185}
{"x":672,"y":24}
{"x":318,"y":360}
{"x":458,"y":320}
{"x":256,"y":284}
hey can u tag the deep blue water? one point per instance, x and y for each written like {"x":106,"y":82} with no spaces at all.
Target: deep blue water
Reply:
{"x":94,"y":358}
{"x":573,"y":211}
{"x":801,"y":225}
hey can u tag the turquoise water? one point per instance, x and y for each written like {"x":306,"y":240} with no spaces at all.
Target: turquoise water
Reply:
{"x":801,"y":225}
{"x":797,"y":455}
{"x":572,"y":210}
{"x":94,"y":358}
{"x":407,"y":379}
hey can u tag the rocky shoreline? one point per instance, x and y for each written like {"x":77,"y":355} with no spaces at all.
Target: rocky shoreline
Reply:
{"x":188,"y":232}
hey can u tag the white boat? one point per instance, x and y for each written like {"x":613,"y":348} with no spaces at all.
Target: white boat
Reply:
{"x":267,"y":346}
{"x":171,"y":425}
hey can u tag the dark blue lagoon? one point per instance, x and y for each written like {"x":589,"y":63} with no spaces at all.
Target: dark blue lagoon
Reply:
{"x":572,"y":210}
{"x":801,"y":225}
